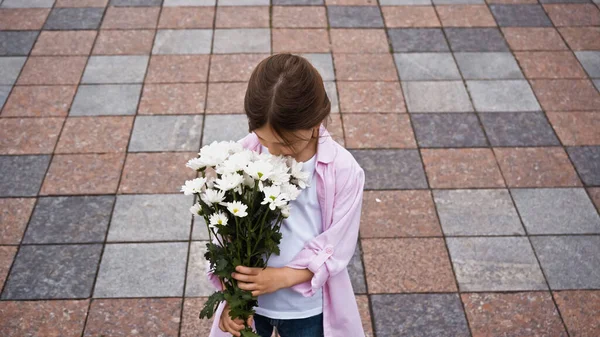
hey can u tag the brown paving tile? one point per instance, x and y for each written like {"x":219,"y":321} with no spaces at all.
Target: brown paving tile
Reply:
{"x":371,"y":97}
{"x":581,"y":38}
{"x":226,"y":97}
{"x":191,"y":325}
{"x":533,"y":38}
{"x":461,"y":168}
{"x":565,"y":95}
{"x":43,"y":318}
{"x":365,"y":314}
{"x":23,"y":18}
{"x":513,"y":314}
{"x":410,"y":16}
{"x":156,"y":172}
{"x":39,"y":101}
{"x":29,"y":135}
{"x":579,"y":310}
{"x":365,"y":67}
{"x":595,"y":196}
{"x":55,"y":43}
{"x":573,"y":14}
{"x":83,"y":174}
{"x":233,"y":67}
{"x":536,"y":167}
{"x":130,"y":18}
{"x":376,"y":130}
{"x":359,"y":41}
{"x":420,"y":265}
{"x":7,"y":255}
{"x":145,"y":316}
{"x":550,"y":64}
{"x":14,"y":216}
{"x":335,"y":128}
{"x":177,"y":69}
{"x":576,"y":128}
{"x":398,"y":214}
{"x":512,"y":2}
{"x":124,"y":42}
{"x":351,"y":2}
{"x":465,"y":16}
{"x":300,"y":40}
{"x":52,"y":70}
{"x":158,"y":99}
{"x":95,"y":134}
{"x":242,"y":17}
{"x":186,"y":17}
{"x":81,"y":3}
{"x":299,"y":16}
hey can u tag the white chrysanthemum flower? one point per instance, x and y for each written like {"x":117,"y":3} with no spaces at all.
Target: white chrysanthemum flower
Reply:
{"x":229,"y":181}
{"x":274,"y":197}
{"x":218,"y":219}
{"x":196,"y":209}
{"x":237,"y":208}
{"x":291,"y":190}
{"x":213,"y":154}
{"x":259,"y":170}
{"x":211,"y":196}
{"x":285,"y":211}
{"x":236,"y":162}
{"x":193,"y":186}
{"x":301,"y":177}
{"x":195,"y":164}
{"x":248,"y":180}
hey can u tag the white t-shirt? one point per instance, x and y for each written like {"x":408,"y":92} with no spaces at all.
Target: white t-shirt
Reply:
{"x":303,"y":224}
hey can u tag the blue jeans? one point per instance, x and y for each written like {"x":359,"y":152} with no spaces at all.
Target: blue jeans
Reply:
{"x":299,"y":327}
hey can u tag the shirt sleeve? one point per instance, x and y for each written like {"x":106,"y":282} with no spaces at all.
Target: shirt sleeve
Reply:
{"x":330,"y":252}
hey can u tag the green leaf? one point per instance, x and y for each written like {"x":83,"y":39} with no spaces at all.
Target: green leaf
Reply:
{"x":211,"y":304}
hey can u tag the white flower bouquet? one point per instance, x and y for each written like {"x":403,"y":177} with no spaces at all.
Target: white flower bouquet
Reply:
{"x":243,"y":197}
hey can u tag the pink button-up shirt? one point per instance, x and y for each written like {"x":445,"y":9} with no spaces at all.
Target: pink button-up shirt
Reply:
{"x":340,"y":182}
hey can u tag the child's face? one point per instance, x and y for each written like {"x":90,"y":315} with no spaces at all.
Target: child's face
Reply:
{"x":269,"y":139}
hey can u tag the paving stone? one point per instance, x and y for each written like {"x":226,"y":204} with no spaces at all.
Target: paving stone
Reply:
{"x":576,"y":128}
{"x":166,"y":133}
{"x":426,"y":66}
{"x":199,"y":230}
{"x":131,"y":18}
{"x":135,"y":3}
{"x":581,"y":38}
{"x":363,"y":96}
{"x":521,"y":15}
{"x":95,"y":134}
{"x":142,"y":270}
{"x":22,"y":175}
{"x":590,"y":61}
{"x":16,"y":43}
{"x":182,"y":41}
{"x":569,"y":262}
{"x":597,"y":84}
{"x":436,"y":96}
{"x":477,"y":212}
{"x":579,"y":308}
{"x":71,"y":324}
{"x":556,"y":211}
{"x":410,"y":16}
{"x":294,"y":17}
{"x":495,"y":264}
{"x":27,"y":3}
{"x":550,"y":64}
{"x":391,"y":169}
{"x":490,"y":65}
{"x":29,"y":135}
{"x":587,"y":162}
{"x":350,"y":40}
{"x":323,"y":62}
{"x":144,"y":217}
{"x":566,"y":94}
{"x":297,"y":2}
{"x":77,"y":219}
{"x":23,"y":18}
{"x":254,"y":40}
{"x":4,"y":91}
{"x":10,"y":67}
{"x":475,"y":39}
{"x":53,"y":272}
{"x":448,"y":130}
{"x":354,"y":16}
{"x":110,"y":99}
{"x":533,"y":38}
{"x":296,"y":40}
{"x":331,"y":89}
{"x":424,"y":315}
{"x":173,"y":99}
{"x":357,"y":272}
{"x":173,"y":3}
{"x":224,"y":127}
{"x":362,"y":67}
{"x":74,"y":18}
{"x":378,"y":131}
{"x":573,"y":14}
{"x":502,"y":95}
{"x":178,"y":69}
{"x":197,"y":283}
{"x":52,"y":70}
{"x":457,"y":2}
{"x":465,"y":16}
{"x":518,"y":129}
{"x":124,"y":42}
{"x":244,"y":3}
{"x":15,"y":217}
{"x":404,"y":2}
{"x":64,"y":43}
{"x":115,"y":69}
{"x":418,"y":40}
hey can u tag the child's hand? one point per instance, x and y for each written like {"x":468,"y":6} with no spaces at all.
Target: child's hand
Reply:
{"x":226,"y":324}
{"x":258,"y":280}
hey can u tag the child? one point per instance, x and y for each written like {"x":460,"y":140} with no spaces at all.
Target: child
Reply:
{"x":306,"y":290}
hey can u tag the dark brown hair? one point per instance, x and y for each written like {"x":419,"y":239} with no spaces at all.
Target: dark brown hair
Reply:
{"x":287,"y":92}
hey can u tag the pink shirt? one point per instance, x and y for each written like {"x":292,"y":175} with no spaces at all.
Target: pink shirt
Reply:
{"x":340,"y":182}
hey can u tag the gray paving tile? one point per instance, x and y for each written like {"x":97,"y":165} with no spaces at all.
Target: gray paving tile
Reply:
{"x":115,"y":69}
{"x":426,"y":66}
{"x":182,"y":41}
{"x":331,"y":89}
{"x":489,"y":65}
{"x":166,"y":133}
{"x":197,"y":284}
{"x":22,"y":176}
{"x":417,"y":40}
{"x":73,"y":219}
{"x":106,"y":99}
{"x":502,"y":95}
{"x":495,"y":264}
{"x":404,"y":2}
{"x":298,"y":2}
{"x":249,"y":40}
{"x":590,"y":60}
{"x":557,"y":211}
{"x":142,"y":270}
{"x":518,"y":129}
{"x":520,"y":15}
{"x":436,"y":96}
{"x":132,"y":3}
{"x":199,"y":231}
{"x":476,"y":39}
{"x":587,"y":162}
{"x":156,"y":217}
{"x":4,"y":91}
{"x":569,"y":262}
{"x":458,"y":2}
{"x":10,"y":67}
{"x":16,"y":43}
{"x":448,"y":130}
{"x":354,"y":17}
{"x":391,"y":169}
{"x":564,"y":1}
{"x":74,"y":18}
{"x":477,"y":212}
{"x":422,"y":315}
{"x":357,"y":272}
{"x":597,"y":84}
{"x":27,"y":3}
{"x":186,"y":3}
{"x":52,"y":272}
{"x":224,"y":127}
{"x":244,"y":3}
{"x":323,"y":62}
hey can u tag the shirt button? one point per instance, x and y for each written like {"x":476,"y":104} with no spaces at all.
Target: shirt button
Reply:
{"x":329,"y":250}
